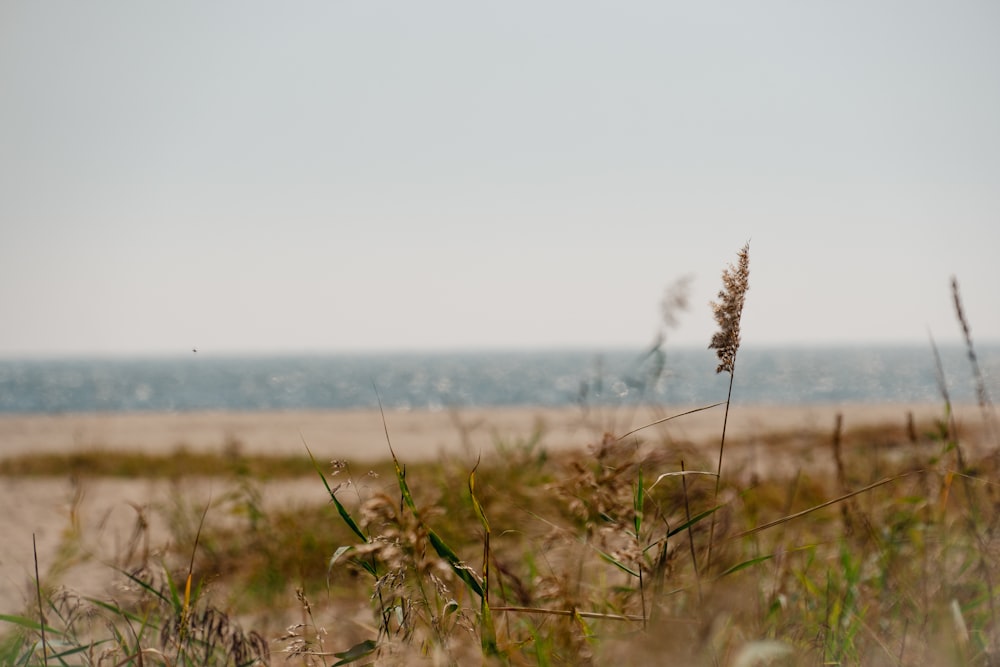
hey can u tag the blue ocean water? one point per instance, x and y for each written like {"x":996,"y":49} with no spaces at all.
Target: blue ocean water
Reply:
{"x":871,"y":374}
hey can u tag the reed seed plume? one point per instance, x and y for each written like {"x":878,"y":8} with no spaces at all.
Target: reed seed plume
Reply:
{"x":729,"y":310}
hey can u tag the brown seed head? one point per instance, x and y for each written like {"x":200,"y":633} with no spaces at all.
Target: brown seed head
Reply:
{"x":729,"y":310}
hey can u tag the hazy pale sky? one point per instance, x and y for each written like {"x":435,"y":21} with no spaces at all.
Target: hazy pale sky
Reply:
{"x":299,"y":176}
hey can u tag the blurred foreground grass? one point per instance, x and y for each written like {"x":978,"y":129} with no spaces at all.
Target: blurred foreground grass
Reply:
{"x":585,"y":557}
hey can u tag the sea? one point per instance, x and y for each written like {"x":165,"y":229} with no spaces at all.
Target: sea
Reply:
{"x":444,"y":380}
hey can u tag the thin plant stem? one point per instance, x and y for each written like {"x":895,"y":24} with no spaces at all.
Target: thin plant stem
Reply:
{"x":722,"y":442}
{"x":718,"y":469}
{"x":950,"y":425}
{"x":41,"y":611}
{"x":982,"y":395}
{"x":690,"y":532}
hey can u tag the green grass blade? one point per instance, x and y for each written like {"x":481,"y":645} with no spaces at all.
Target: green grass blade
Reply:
{"x":75,"y":650}
{"x":617,"y":563}
{"x":746,"y":564}
{"x":341,"y":510}
{"x":28,"y":623}
{"x":175,"y":597}
{"x":348,"y":519}
{"x":116,"y":610}
{"x":695,"y":519}
{"x":475,"y":502}
{"x":404,"y":488}
{"x":488,"y":637}
{"x":638,"y":503}
{"x":463,"y":572}
{"x":142,"y":584}
{"x":339,"y":554}
{"x":26,"y":657}
{"x":356,"y":652}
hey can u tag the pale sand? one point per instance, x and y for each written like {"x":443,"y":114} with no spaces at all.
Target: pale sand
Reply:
{"x":358,"y":435}
{"x":41,"y":506}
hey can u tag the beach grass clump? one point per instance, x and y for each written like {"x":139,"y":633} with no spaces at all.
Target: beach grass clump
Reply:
{"x":153,"y":617}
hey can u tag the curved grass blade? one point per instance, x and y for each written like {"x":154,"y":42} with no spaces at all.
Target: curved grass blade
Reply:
{"x":356,"y":652}
{"x":75,"y":650}
{"x":341,"y":510}
{"x":746,"y":564}
{"x":695,"y":519}
{"x":175,"y":598}
{"x":617,"y":563}
{"x":463,"y":571}
{"x":28,"y":623}
{"x":475,"y":502}
{"x":124,"y":613}
{"x":145,"y":585}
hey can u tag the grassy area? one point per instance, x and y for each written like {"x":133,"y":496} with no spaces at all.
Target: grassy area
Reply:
{"x":628,"y":551}
{"x":589,"y":556}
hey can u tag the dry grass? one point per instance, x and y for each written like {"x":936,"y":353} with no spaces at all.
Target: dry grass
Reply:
{"x":589,"y":560}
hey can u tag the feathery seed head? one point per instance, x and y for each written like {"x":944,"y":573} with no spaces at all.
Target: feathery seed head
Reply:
{"x":729,"y":310}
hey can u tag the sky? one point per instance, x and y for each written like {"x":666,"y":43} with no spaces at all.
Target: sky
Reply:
{"x":242,"y":176}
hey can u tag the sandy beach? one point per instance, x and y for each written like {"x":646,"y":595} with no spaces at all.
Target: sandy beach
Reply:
{"x":359,"y":435}
{"x":105,"y":509}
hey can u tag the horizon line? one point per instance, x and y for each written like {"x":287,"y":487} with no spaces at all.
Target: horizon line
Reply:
{"x":69,"y":355}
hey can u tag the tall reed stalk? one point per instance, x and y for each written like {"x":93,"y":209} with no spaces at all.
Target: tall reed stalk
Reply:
{"x":982,"y":395}
{"x":728,"y":312}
